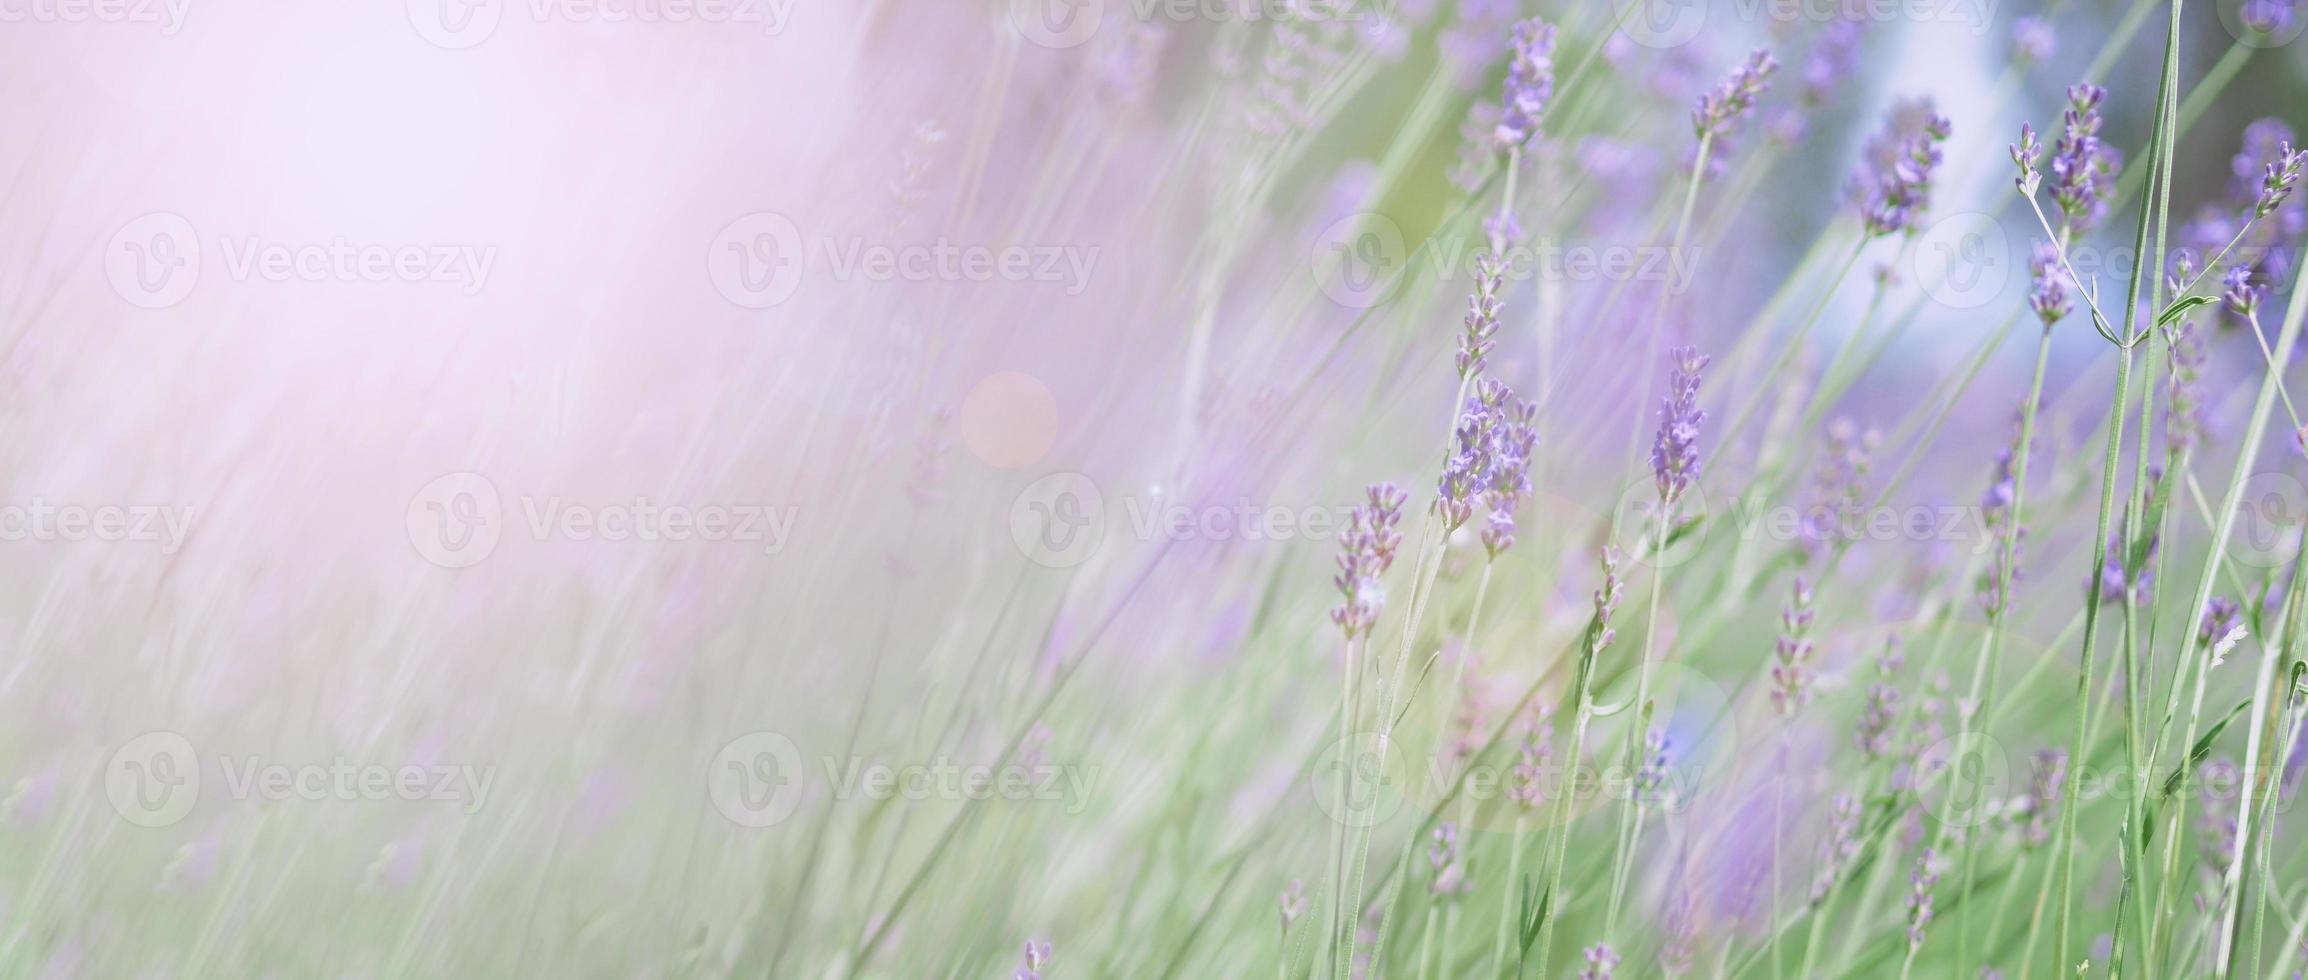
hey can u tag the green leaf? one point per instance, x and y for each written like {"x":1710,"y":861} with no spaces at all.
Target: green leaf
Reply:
{"x":2203,"y":747}
{"x":2180,"y":308}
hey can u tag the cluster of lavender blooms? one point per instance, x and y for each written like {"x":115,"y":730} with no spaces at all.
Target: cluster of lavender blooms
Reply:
{"x":1530,"y":83}
{"x":2258,"y":213}
{"x":2183,"y":400}
{"x":1838,"y":849}
{"x":1293,"y":903}
{"x":1837,"y":488}
{"x":1921,"y":882}
{"x":2033,"y":812}
{"x":1037,"y":956}
{"x":1995,"y":508}
{"x":1651,"y":776}
{"x":1730,"y":99}
{"x":1491,"y":463}
{"x":1600,"y":961}
{"x":1675,"y":450}
{"x":1450,"y":875}
{"x":1791,"y":667}
{"x":1532,"y":750}
{"x":2048,"y":292}
{"x":1879,"y":716}
{"x":2032,"y":40}
{"x":1893,"y":187}
{"x":1826,"y":69}
{"x":1365,"y":551}
{"x":2082,"y":167}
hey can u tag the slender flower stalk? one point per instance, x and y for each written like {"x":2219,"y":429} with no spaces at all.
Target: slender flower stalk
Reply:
{"x":1598,"y":638}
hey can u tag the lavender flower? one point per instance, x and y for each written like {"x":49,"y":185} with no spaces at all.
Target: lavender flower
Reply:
{"x":1837,"y":489}
{"x":1600,"y":960}
{"x":1037,"y":956}
{"x":1922,"y":880}
{"x":2118,"y":582}
{"x":2032,"y":40}
{"x":2279,"y":179}
{"x":2049,"y":298}
{"x":2082,"y":168}
{"x":2042,"y":802}
{"x":1881,"y":713}
{"x":1675,"y":452}
{"x":1492,"y":462}
{"x":2220,"y":615}
{"x":2237,"y":292}
{"x":1293,"y":903}
{"x":1606,"y":602}
{"x":1651,"y":776}
{"x":1733,"y":96}
{"x":1365,"y":551}
{"x":1895,"y":188}
{"x":1530,"y":83}
{"x":1791,"y":673}
{"x":2183,"y":404}
{"x":2024,"y":155}
{"x":1531,"y":755}
{"x":1838,"y":849}
{"x":1450,"y":880}
{"x":1482,"y":320}
{"x":1996,"y":515}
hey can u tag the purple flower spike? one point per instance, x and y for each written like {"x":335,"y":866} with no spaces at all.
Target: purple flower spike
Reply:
{"x":1482,"y":321}
{"x":1492,"y":463}
{"x":1675,"y":452}
{"x":1895,"y":188}
{"x":1037,"y":957}
{"x":2238,"y":293}
{"x":2049,"y":298}
{"x":1733,"y":96}
{"x":2277,"y":182}
{"x":1365,"y":551}
{"x":1530,"y":83}
{"x":2082,"y":168}
{"x":1791,"y":671}
{"x":1600,"y":961}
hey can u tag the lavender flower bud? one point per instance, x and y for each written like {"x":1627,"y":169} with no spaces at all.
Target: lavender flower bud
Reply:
{"x":1922,"y":880}
{"x":1896,"y":188}
{"x":1733,"y":96}
{"x":2184,"y":404}
{"x":1293,"y":903}
{"x":1365,"y":551}
{"x":1606,"y":602}
{"x":1530,"y":83}
{"x":2082,"y":168}
{"x":1675,"y":451}
{"x":2024,"y":155}
{"x":1791,"y":673}
{"x":2032,"y":40}
{"x":1482,"y":320}
{"x":1600,"y":960}
{"x":1450,"y":880}
{"x":2237,"y":292}
{"x":1838,"y":850}
{"x":2281,"y":176}
{"x":1037,"y":956}
{"x":2049,"y":298}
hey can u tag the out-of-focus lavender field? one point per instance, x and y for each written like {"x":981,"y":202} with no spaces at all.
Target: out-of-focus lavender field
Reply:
{"x":1152,"y":488}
